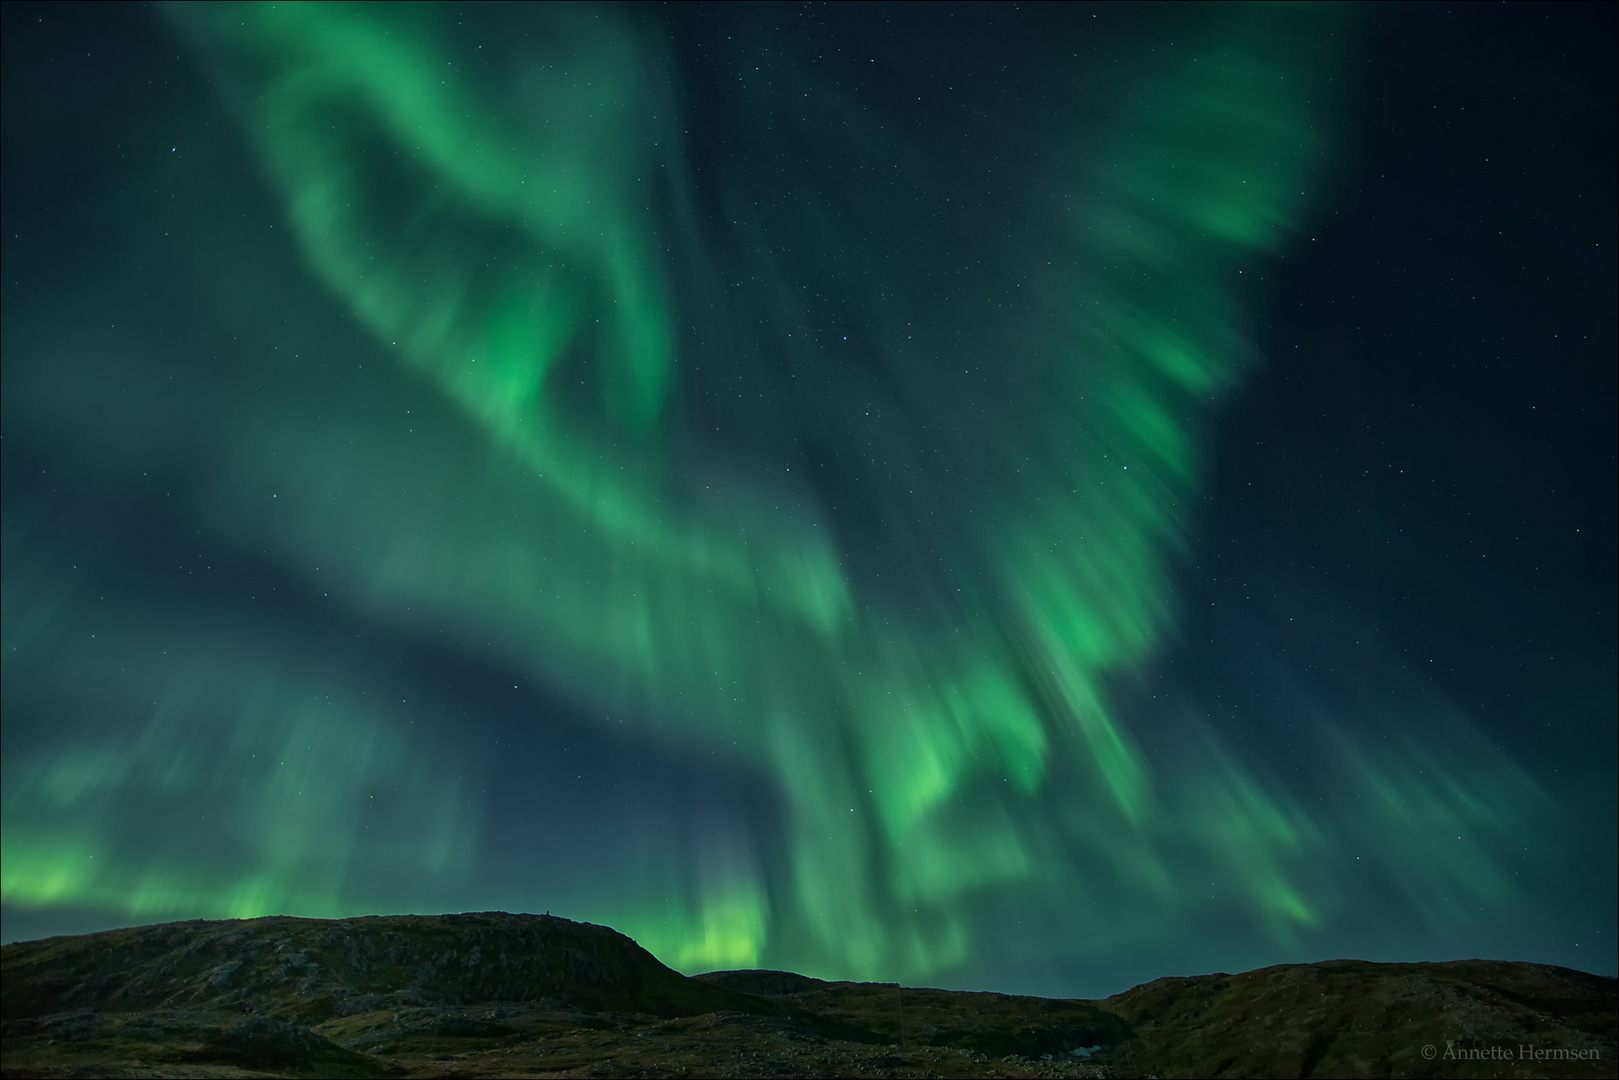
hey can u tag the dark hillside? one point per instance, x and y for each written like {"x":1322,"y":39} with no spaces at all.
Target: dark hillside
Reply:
{"x":312,"y":969}
{"x":525,"y":995}
{"x":1354,"y":1018}
{"x":994,"y":1024}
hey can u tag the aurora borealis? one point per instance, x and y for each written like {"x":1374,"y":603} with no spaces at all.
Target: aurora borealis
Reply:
{"x":838,"y":490}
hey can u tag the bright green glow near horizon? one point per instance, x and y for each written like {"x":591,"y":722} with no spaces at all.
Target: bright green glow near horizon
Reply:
{"x":934,"y":742}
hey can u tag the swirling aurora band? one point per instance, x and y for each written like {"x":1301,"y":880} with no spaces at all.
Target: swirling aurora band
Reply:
{"x":873,"y":487}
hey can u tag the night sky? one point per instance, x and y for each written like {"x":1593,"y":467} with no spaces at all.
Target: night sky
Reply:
{"x":1003,"y":498}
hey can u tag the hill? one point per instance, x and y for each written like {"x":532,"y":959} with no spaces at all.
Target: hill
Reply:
{"x":523,"y":995}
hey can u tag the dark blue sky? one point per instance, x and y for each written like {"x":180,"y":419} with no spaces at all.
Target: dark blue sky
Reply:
{"x":1344,"y":685}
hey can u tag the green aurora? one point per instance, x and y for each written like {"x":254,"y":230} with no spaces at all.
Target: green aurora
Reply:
{"x":846,"y":478}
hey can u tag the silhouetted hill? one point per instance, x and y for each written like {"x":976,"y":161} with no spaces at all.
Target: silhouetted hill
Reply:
{"x":1354,"y":1018}
{"x":523,"y":995}
{"x":314,"y":969}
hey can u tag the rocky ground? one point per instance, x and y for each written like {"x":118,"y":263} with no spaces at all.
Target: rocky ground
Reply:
{"x":520,"y":995}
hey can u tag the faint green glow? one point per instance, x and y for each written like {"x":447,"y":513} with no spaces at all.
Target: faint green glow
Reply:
{"x":243,"y":791}
{"x":551,"y":501}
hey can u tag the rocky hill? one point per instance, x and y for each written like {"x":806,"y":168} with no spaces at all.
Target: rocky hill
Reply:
{"x":523,"y":995}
